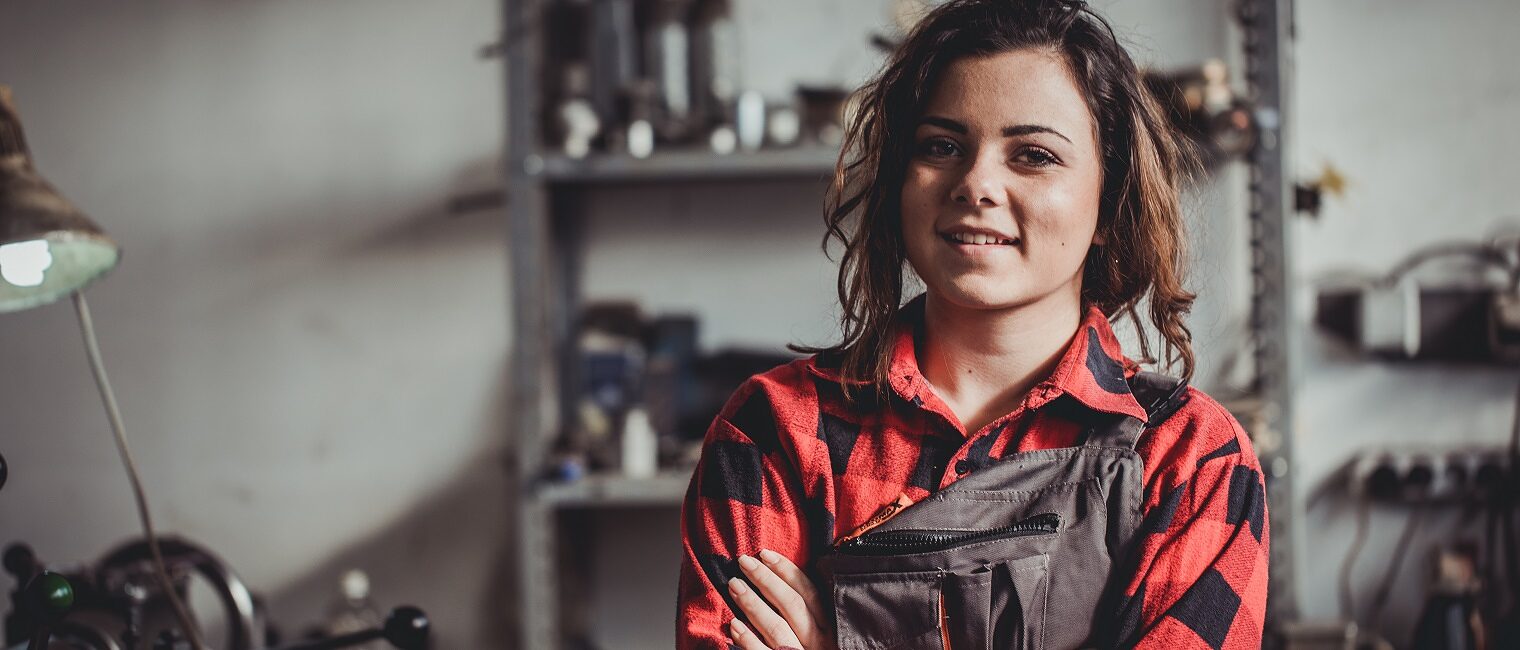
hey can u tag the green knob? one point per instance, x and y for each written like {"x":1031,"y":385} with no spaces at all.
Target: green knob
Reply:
{"x":51,"y":593}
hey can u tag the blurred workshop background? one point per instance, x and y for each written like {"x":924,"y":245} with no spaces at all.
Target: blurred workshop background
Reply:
{"x":428,"y":303}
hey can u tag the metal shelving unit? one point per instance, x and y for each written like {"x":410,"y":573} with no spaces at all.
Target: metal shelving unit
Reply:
{"x":545,"y":213}
{"x":600,"y":491}
{"x":667,"y":166}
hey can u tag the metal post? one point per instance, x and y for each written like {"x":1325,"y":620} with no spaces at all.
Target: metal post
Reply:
{"x":1267,"y":27}
{"x":532,"y":372}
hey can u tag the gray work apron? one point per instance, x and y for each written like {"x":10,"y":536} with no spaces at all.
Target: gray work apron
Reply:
{"x":1018,"y":554}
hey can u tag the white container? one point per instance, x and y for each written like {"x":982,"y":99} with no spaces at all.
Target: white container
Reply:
{"x":641,"y":446}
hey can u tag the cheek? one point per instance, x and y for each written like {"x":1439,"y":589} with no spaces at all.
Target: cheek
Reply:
{"x":1063,"y":217}
{"x":919,"y":209}
{"x":917,"y":195}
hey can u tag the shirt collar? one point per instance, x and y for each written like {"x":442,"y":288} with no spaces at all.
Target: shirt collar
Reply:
{"x":1092,"y":370}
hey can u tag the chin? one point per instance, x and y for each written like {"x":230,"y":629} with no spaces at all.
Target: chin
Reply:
{"x":979,"y":293}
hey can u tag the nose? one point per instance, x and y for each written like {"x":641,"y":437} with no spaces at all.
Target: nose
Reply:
{"x":980,"y":185}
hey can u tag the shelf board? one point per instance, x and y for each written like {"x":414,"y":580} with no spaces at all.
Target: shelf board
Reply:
{"x":798,"y":162}
{"x":668,"y":488}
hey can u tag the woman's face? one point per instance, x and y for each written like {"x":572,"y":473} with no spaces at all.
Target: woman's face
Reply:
{"x":1000,"y":200}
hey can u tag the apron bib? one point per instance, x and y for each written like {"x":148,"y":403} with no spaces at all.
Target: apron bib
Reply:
{"x":1018,"y":554}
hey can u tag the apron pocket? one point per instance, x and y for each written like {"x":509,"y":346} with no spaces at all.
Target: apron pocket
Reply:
{"x":969,"y":609}
{"x":888,"y":611}
{"x":1022,"y":621}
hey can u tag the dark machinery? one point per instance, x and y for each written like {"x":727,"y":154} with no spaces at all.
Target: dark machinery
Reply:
{"x":116,"y":605}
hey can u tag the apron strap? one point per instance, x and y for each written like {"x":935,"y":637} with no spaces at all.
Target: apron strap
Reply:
{"x":1160,"y":396}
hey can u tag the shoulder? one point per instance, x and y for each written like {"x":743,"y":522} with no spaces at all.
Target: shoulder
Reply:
{"x":778,"y":390}
{"x":771,"y":407}
{"x":1201,"y":436}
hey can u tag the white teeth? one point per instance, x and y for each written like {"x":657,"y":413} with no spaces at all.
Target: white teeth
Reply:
{"x":978,"y":239}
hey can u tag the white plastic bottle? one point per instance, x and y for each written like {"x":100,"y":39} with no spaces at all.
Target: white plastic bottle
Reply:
{"x":640,"y":445}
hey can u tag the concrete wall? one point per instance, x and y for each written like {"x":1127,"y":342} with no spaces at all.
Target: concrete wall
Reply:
{"x":308,"y":349}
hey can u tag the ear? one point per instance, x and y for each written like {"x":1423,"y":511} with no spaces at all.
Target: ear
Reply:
{"x":1100,"y":238}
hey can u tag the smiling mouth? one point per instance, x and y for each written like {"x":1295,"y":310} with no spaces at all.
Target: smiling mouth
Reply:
{"x":971,"y":239}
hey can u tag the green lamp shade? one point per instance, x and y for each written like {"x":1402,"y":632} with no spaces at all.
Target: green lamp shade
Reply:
{"x":48,"y":248}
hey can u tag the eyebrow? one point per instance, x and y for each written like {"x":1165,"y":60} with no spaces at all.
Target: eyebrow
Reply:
{"x":1008,"y":131}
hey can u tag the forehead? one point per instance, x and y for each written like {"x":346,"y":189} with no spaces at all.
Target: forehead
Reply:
{"x":1017,"y":87}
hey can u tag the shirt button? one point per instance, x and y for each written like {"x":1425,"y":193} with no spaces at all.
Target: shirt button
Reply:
{"x":963,"y":467}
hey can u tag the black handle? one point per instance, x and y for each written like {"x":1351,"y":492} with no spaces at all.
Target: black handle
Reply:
{"x":47,"y":598}
{"x":406,"y":628}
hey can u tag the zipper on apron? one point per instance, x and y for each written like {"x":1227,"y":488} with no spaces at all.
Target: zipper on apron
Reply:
{"x":886,"y":512}
{"x":905,"y":542}
{"x":944,"y":623}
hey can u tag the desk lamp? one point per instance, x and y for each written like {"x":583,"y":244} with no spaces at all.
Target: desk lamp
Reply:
{"x":48,"y":250}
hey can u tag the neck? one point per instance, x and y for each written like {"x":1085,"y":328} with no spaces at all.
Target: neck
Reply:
{"x":983,"y":362}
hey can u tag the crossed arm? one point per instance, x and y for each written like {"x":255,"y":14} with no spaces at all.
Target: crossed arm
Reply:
{"x":798,"y":620}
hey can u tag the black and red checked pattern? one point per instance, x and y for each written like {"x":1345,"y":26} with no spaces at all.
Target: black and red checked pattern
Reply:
{"x":789,"y":466}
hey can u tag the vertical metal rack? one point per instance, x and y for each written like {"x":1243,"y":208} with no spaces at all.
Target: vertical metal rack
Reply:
{"x":1267,"y":35}
{"x":545,"y":214}
{"x":528,"y":240}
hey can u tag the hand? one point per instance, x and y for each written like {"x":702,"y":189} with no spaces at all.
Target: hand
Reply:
{"x":800,"y":623}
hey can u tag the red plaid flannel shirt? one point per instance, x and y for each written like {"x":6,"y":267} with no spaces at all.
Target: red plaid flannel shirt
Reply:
{"x":788,"y":466}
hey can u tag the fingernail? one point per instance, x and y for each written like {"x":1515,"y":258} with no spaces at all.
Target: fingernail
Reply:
{"x":737,"y":586}
{"x":748,"y":563}
{"x":770,"y":557}
{"x":737,"y":628}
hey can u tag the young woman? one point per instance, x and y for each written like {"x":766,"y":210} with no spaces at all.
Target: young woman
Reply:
{"x":983,"y":467}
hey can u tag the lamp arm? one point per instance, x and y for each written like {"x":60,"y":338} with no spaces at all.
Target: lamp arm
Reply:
{"x":92,"y":349}
{"x":12,"y":140}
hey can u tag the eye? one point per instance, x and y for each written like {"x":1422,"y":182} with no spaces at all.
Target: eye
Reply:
{"x":937,"y":148}
{"x":1036,"y":157}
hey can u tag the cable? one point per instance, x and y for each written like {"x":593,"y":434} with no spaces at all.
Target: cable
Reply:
{"x":1363,"y":523}
{"x":92,"y":348}
{"x":1492,"y":606}
{"x":1514,"y":436}
{"x":1507,"y":542}
{"x":1504,"y":506}
{"x":1487,"y":254}
{"x":1380,"y":599}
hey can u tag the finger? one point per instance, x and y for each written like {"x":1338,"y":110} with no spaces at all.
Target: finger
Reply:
{"x":787,"y":601}
{"x":742,"y":637}
{"x":799,"y":581}
{"x":765,"y":621}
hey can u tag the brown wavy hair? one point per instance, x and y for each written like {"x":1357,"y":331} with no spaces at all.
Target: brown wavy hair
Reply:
{"x":1145,"y":164}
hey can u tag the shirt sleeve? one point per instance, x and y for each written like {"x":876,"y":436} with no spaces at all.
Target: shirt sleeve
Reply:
{"x":1201,"y":578}
{"x":745,"y":495}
